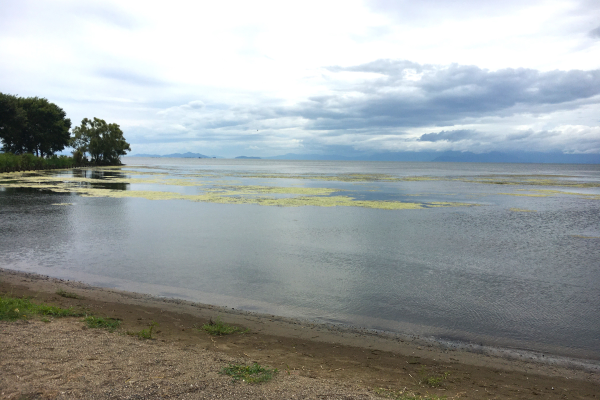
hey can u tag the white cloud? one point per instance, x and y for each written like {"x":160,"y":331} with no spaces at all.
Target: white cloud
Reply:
{"x":211,"y":74}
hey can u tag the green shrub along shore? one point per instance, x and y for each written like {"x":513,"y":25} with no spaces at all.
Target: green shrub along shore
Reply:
{"x":28,"y":162}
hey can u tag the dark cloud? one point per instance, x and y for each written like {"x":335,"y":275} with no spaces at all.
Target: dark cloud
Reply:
{"x":450,"y":136}
{"x":595,"y":33}
{"x":407,"y":94}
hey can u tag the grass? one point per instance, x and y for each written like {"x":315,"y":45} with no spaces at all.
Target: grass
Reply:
{"x":402,"y":395}
{"x":144,"y":333}
{"x":218,"y":328}
{"x":110,"y":324}
{"x":250,"y":374}
{"x":432,"y":380}
{"x":69,"y":295}
{"x":13,"y":308}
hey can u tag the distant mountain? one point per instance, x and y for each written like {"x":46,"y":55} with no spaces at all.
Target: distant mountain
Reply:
{"x":174,"y":155}
{"x":454,"y":156}
{"x":422,"y":156}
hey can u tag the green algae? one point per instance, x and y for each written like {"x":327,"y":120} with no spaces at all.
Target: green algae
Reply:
{"x":514,"y":209}
{"x":585,"y":237}
{"x":231,"y":198}
{"x":226,"y":187}
{"x":295,"y":196}
{"x":530,"y":180}
{"x":549,"y":192}
{"x":524,"y":194}
{"x":253,"y":189}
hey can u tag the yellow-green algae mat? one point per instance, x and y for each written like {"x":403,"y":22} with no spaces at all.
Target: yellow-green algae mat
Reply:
{"x":224,"y":194}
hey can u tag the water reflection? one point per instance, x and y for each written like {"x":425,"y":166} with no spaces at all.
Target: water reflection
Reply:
{"x":102,"y":177}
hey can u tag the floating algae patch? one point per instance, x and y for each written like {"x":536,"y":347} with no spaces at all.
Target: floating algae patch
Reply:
{"x":520,"y":210}
{"x":229,"y":198}
{"x":252,"y":189}
{"x":583,"y":195}
{"x":22,"y":181}
{"x":324,"y":201}
{"x":421,"y":178}
{"x":530,"y":180}
{"x":524,"y":194}
{"x":281,"y":196}
{"x":585,"y":237}
{"x":548,"y":193}
{"x":316,"y":177}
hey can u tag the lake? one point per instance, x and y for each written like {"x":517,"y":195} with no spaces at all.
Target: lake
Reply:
{"x":503,"y":255}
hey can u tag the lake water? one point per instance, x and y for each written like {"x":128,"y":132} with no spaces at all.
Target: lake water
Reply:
{"x":503,"y":255}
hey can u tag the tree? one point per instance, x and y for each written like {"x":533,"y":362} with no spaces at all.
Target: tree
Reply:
{"x":47,"y":128}
{"x":32,"y":125}
{"x":104,"y":142}
{"x":12,"y":123}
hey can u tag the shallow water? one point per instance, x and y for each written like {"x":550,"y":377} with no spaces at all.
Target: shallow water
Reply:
{"x":499,"y":254}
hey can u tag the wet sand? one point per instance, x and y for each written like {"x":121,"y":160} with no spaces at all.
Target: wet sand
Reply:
{"x":314,"y":360}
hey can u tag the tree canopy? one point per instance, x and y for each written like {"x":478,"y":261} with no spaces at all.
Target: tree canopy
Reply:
{"x":32,"y":125}
{"x":104,"y":142}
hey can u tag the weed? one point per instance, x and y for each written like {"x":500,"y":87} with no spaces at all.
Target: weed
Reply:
{"x":66,"y":294}
{"x":251,"y":374}
{"x":110,"y":324}
{"x":218,"y":328}
{"x":12,"y":308}
{"x":402,"y":395}
{"x":144,"y":333}
{"x":432,"y":380}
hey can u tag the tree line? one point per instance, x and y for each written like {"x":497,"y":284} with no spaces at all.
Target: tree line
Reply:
{"x":33,"y":125}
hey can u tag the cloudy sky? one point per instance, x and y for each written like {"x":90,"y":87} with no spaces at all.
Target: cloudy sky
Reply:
{"x":264,"y":78}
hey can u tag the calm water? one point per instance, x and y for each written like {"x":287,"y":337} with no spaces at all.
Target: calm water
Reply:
{"x":513,"y":261}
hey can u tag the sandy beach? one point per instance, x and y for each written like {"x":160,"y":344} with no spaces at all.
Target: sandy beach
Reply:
{"x":63,"y":358}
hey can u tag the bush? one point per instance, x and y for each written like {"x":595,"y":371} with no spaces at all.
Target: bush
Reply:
{"x":12,"y":162}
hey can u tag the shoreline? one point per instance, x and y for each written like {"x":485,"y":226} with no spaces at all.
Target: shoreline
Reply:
{"x":375,"y":359}
{"x":346,"y":334}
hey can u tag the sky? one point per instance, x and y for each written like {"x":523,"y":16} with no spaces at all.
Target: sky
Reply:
{"x":265,"y":78}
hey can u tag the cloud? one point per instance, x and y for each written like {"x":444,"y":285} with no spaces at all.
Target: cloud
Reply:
{"x":595,"y":33}
{"x":435,"y":10}
{"x":450,"y":136}
{"x":392,"y":93}
{"x":399,"y":105}
{"x":106,"y":14}
{"x":129,"y":76}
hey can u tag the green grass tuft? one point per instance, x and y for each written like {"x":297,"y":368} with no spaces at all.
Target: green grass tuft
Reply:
{"x":12,"y":308}
{"x":402,"y":395}
{"x":218,"y":328}
{"x":250,"y":374}
{"x":144,"y":333}
{"x":110,"y":324}
{"x":66,"y":294}
{"x":432,"y":380}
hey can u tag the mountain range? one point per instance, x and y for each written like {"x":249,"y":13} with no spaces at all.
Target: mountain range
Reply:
{"x":424,"y":156}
